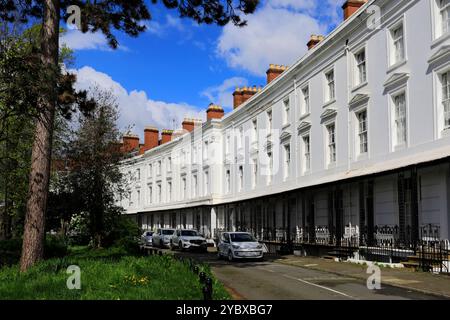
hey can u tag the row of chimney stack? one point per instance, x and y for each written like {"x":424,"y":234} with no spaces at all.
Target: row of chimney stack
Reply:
{"x":240,"y":96}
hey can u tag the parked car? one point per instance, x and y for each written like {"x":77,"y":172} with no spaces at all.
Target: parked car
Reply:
{"x":239,"y":245}
{"x":146,"y":238}
{"x":161,"y":238}
{"x":185,"y":239}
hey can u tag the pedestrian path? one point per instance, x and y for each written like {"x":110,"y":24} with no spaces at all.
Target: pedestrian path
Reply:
{"x":424,"y":282}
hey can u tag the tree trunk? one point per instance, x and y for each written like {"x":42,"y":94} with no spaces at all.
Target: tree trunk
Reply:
{"x":34,"y":231}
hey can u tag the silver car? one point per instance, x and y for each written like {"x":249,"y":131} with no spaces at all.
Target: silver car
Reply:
{"x":146,"y":238}
{"x":161,"y":238}
{"x":239,"y":245}
{"x":184,"y":239}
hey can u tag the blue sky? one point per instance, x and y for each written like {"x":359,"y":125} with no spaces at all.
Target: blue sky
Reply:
{"x":176,"y":68}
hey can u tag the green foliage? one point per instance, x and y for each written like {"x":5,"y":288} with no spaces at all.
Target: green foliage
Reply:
{"x":107,"y":274}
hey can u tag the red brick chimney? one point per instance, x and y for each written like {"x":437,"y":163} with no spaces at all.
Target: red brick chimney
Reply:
{"x":166,"y":136}
{"x":214,"y":112}
{"x":313,"y":41}
{"x":241,"y":95}
{"x":274,"y":71}
{"x":188,"y":124}
{"x":130,"y":143}
{"x":151,"y":135}
{"x":351,"y":6}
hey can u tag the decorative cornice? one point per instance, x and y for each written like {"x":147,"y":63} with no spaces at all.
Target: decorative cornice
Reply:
{"x":328,"y":113}
{"x":286,"y":135}
{"x":396,"y":79}
{"x":443,"y":52}
{"x":303,"y":127}
{"x":358,"y":99}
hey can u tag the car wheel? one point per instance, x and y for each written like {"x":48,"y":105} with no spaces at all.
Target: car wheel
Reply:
{"x":230,"y":256}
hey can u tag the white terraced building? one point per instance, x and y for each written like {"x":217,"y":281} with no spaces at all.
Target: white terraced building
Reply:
{"x":349,"y":145}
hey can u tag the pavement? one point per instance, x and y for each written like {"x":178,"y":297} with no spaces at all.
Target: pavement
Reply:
{"x":311,"y":278}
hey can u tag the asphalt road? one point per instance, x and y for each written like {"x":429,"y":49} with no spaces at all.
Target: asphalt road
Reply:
{"x":269,"y":280}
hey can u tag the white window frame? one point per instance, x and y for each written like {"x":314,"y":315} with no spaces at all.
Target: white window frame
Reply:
{"x":270,"y":167}
{"x":360,"y":68}
{"x":440,"y":28}
{"x":159,"y":192}
{"x":150,"y":170}
{"x":228,"y":180}
{"x":305,"y":100}
{"x":195,"y":185}
{"x":441,"y":129}
{"x":255,"y":173}
{"x":241,"y":178}
{"x":138,"y":174}
{"x":362,"y":133}
{"x":396,"y":145}
{"x":169,"y":164}
{"x":306,"y":153}
{"x":331,"y":146}
{"x":395,"y":61}
{"x":150,"y":194}
{"x":255,"y":130}
{"x":206,"y":182}
{"x":286,"y":110}
{"x":169,"y":191}
{"x":269,"y":118}
{"x":138,"y":197}
{"x":330,"y":85}
{"x":287,"y":155}
{"x":183,"y":187}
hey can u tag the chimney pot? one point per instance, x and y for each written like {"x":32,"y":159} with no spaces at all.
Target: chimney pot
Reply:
{"x":214,"y":112}
{"x":274,"y":71}
{"x":351,"y":6}
{"x":314,"y":40}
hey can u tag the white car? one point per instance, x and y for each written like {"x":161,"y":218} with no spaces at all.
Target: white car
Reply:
{"x":146,"y":238}
{"x":239,"y":245}
{"x":161,"y":238}
{"x":184,"y":239}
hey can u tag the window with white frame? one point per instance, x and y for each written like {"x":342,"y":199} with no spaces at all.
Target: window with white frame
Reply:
{"x":361,"y":68}
{"x":444,"y":16}
{"x":130,"y":200}
{"x":445,"y":80}
{"x":169,"y":164}
{"x":397,"y":44}
{"x":240,"y":137}
{"x":227,"y":144}
{"x":255,"y":173}
{"x":255,"y":130}
{"x":206,"y":183}
{"x":331,"y":143}
{"x":228,"y":181}
{"x":399,"y":115}
{"x":158,"y":169}
{"x":286,"y":111}
{"x":150,"y":194}
{"x":169,"y":191}
{"x":138,"y":174}
{"x":183,"y":188}
{"x":205,"y":150}
{"x":362,"y":132}
{"x":194,"y":155}
{"x":138,"y":197}
{"x":269,"y":121}
{"x":306,"y":153}
{"x":150,"y":170}
{"x":287,"y":160}
{"x":305,"y":100}
{"x":241,"y":178}
{"x":331,"y":87}
{"x":159,"y":193}
{"x":270,"y":167}
{"x":195,"y":185}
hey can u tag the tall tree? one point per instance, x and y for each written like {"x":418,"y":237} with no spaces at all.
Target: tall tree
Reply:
{"x":123,"y":15}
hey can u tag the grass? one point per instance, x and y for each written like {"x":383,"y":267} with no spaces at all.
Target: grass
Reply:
{"x":107,"y":274}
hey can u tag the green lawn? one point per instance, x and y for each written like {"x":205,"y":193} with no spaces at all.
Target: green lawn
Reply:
{"x":107,"y":274}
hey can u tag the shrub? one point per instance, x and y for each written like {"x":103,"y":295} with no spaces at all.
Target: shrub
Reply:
{"x":55,"y":246}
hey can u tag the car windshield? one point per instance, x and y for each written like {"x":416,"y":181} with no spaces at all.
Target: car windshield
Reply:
{"x":149,"y":233}
{"x":167,"y":232}
{"x":189,"y":233}
{"x":241,"y":237}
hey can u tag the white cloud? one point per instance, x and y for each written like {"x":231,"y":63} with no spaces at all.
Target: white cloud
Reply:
{"x":223,"y":93}
{"x":135,"y":107}
{"x":277,"y":33}
{"x":273,"y":35}
{"x":77,"y":40}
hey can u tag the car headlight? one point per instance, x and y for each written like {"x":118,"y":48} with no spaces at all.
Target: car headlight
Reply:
{"x":259,"y":246}
{"x":236,"y":246}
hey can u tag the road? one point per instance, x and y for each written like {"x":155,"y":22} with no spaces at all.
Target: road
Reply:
{"x":270,"y":280}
